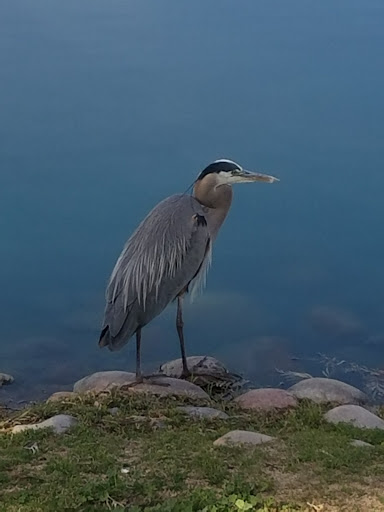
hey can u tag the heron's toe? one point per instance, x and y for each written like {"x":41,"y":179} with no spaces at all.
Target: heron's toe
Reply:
{"x":155,"y":380}
{"x":185,"y":374}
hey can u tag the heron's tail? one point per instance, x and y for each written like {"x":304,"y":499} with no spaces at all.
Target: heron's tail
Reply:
{"x":115,"y":342}
{"x":121,"y":338}
{"x":105,"y":337}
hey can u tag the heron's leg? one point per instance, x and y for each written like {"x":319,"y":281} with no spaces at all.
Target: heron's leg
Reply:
{"x":180,"y":332}
{"x":139,"y":377}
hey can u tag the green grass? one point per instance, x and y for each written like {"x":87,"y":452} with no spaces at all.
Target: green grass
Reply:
{"x":124,"y":463}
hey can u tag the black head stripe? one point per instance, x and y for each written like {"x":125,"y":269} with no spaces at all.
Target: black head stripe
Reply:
{"x":217,"y":167}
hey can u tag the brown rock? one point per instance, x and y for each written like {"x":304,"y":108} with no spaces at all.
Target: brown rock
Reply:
{"x":266,"y":399}
{"x":62,"y":396}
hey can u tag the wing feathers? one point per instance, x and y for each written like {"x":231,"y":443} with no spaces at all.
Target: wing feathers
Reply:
{"x":169,"y":249}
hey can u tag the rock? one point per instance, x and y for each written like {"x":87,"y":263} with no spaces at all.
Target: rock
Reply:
{"x":59,"y":423}
{"x":267,"y":399}
{"x":159,"y":385}
{"x":197,"y":365}
{"x":103,"y":381}
{"x":239,"y":437}
{"x":360,"y":444}
{"x":204,"y":370}
{"x":5,"y":379}
{"x":166,"y":386}
{"x":203,"y":412}
{"x":322,"y":390}
{"x":114,"y":411}
{"x":62,"y":396}
{"x":354,"y":415}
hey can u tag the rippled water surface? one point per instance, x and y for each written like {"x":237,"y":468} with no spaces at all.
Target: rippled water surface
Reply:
{"x":108,"y":107}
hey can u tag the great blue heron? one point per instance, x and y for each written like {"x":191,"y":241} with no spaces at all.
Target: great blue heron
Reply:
{"x":168,"y":256}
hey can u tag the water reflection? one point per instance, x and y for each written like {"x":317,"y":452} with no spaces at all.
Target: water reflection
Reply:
{"x":108,"y":108}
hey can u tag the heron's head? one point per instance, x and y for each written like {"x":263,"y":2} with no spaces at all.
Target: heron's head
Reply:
{"x":227,"y":172}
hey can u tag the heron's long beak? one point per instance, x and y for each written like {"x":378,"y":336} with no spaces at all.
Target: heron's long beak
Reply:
{"x":248,"y":176}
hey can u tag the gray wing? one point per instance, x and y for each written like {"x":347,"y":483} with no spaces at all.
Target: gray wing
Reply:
{"x":170,"y":249}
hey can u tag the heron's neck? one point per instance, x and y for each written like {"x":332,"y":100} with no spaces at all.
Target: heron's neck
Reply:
{"x":216,"y":201}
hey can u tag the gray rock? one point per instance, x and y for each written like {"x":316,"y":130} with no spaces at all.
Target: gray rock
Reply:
{"x":239,"y":437}
{"x":205,"y":370}
{"x":166,"y":386}
{"x":5,"y":379}
{"x":159,"y":385}
{"x":59,"y":423}
{"x":267,"y":399}
{"x":103,"y":381}
{"x":203,"y":412}
{"x":322,"y":390}
{"x":360,"y":444}
{"x":354,"y":415}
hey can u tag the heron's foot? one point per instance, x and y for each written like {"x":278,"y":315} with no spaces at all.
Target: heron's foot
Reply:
{"x":185,"y":374}
{"x":154,"y":380}
{"x":147,"y":379}
{"x":139,"y":380}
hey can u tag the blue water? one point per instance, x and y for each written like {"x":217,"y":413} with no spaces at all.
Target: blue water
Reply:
{"x":108,"y":107}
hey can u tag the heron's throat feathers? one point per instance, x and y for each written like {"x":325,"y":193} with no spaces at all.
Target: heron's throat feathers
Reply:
{"x":216,"y":200}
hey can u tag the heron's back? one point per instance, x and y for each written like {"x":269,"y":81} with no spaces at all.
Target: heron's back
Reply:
{"x":164,"y":254}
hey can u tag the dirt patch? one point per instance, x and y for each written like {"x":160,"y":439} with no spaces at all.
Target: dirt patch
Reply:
{"x":365,"y":495}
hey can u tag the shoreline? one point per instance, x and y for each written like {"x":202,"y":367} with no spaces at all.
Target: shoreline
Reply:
{"x":126,"y":450}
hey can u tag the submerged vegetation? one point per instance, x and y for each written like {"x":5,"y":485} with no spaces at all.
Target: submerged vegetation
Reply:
{"x":371,"y":380}
{"x":141,"y":453}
